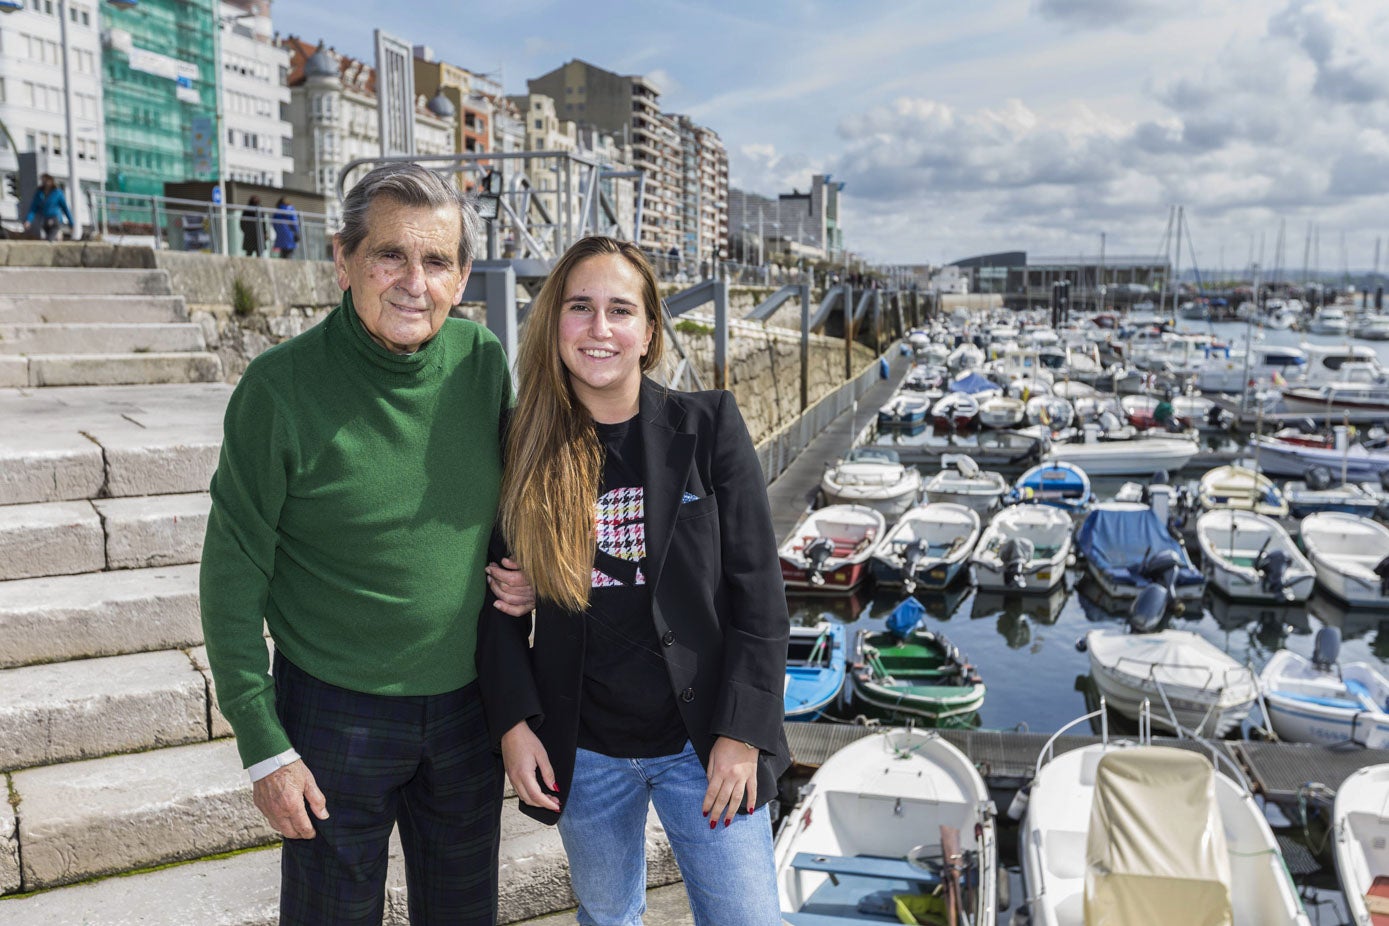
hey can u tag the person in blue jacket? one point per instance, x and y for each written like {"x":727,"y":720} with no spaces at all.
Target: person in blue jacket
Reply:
{"x":286,"y":225}
{"x":50,"y":207}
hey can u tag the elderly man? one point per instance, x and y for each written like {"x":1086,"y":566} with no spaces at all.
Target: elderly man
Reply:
{"x":351,"y":511}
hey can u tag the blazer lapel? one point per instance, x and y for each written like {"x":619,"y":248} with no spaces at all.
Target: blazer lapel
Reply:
{"x":667,"y":456}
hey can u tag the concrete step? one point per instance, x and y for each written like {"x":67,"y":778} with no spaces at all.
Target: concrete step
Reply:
{"x":81,"y":442}
{"x":96,"y":707}
{"x":120,"y":813}
{"x":155,"y":530}
{"x":59,"y":309}
{"x":244,"y":890}
{"x":60,"y":618}
{"x":102,"y":338}
{"x":120,"y":369}
{"x":81,"y":281}
{"x":52,"y":539}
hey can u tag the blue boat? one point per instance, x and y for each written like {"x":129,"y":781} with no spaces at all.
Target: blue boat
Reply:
{"x":904,"y":410}
{"x":1058,"y":484}
{"x":1128,"y":548}
{"x":815,"y":669}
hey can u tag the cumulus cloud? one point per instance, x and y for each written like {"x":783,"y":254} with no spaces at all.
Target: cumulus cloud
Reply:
{"x":1288,"y":123}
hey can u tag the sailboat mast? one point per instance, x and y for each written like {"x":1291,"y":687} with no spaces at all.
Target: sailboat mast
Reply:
{"x":1177,"y":268}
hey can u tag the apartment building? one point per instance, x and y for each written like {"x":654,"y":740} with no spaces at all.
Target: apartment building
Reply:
{"x":255,"y":96}
{"x":703,"y":203}
{"x":470,"y":95}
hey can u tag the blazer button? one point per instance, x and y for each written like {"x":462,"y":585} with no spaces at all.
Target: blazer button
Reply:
{"x":687,"y":695}
{"x":669,"y":637}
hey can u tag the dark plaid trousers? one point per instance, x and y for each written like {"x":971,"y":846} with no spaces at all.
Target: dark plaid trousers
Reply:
{"x":424,"y":762}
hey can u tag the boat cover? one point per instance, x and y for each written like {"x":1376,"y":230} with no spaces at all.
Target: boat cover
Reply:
{"x":904,"y":618}
{"x":1156,"y":850}
{"x":973,"y":384}
{"x":1115,"y":539}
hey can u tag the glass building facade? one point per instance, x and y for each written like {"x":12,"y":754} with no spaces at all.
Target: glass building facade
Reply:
{"x":160,"y":94}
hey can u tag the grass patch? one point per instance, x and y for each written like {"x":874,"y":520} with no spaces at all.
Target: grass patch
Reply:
{"x":244,"y":300}
{"x":690,"y":326}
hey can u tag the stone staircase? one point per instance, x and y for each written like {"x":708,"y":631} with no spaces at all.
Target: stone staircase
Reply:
{"x":87,"y":327}
{"x":114,"y":755}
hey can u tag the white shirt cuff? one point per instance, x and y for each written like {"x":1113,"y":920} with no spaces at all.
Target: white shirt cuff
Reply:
{"x":266,"y":766}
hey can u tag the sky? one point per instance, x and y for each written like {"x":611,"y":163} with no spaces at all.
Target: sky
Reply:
{"x":964,"y":127}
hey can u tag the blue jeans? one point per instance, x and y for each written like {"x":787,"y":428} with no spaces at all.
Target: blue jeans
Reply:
{"x":729,"y":872}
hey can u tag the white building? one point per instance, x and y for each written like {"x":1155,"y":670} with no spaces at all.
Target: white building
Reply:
{"x":255,"y":96}
{"x":950,"y":281}
{"x":333,"y":111}
{"x":32,"y":103}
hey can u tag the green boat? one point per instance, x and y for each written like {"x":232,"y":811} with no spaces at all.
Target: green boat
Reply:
{"x":918,"y":672}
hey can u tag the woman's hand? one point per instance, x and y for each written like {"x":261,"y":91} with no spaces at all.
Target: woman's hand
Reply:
{"x":732,"y":780}
{"x":523,"y":756}
{"x":515,"y":595}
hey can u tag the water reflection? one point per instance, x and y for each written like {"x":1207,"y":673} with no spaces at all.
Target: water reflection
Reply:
{"x":1016,"y":614}
{"x":1353,"y":622}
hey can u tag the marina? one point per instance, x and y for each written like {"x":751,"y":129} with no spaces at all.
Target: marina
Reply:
{"x":1024,"y":646}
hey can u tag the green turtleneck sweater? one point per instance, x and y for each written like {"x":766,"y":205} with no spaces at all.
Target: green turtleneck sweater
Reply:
{"x":351,"y":509}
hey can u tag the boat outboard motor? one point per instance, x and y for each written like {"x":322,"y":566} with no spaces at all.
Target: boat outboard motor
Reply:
{"x":1382,"y":570}
{"x":1326,"y":650}
{"x":1384,"y":479}
{"x":1272,"y":567}
{"x":912,"y":554}
{"x":1148,"y":609}
{"x":816,"y":553}
{"x":1318,"y":478}
{"x":1162,"y":568}
{"x":1016,"y":553}
{"x":1108,"y":421}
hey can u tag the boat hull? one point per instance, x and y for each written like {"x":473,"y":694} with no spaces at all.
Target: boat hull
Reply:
{"x":841,"y":580}
{"x":1139,"y":457}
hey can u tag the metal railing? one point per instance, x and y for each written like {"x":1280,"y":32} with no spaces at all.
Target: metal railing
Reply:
{"x":163,"y":222}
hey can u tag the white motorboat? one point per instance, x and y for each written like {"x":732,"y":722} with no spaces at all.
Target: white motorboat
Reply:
{"x":1188,"y":681}
{"x":828,"y":551}
{"x":1263,"y":365}
{"x":965,"y":484}
{"x":1362,"y":843}
{"x":1002,"y":411}
{"x":1318,"y":700}
{"x":1025,"y":548}
{"x":1359,"y":403}
{"x":1051,"y":411}
{"x":1241,"y":488}
{"x":1282,"y":457}
{"x":1140,"y":456}
{"x":955,"y":411}
{"x":1123,"y":833}
{"x":1350,"y":555}
{"x":899,"y":813}
{"x":1249,"y":556}
{"x":1329,"y":319}
{"x":1373,"y":328}
{"x":928,"y":546}
{"x":872,"y":476}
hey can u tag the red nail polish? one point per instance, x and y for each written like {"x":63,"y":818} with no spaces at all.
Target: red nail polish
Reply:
{"x":713,"y":823}
{"x":727,"y":821}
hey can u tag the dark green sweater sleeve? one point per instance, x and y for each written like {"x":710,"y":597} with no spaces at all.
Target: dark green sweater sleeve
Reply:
{"x":248,"y":491}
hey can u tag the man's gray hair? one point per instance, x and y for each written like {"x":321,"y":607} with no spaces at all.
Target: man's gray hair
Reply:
{"x":410,"y":185}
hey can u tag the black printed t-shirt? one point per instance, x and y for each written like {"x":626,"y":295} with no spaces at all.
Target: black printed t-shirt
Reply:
{"x":628,"y":709}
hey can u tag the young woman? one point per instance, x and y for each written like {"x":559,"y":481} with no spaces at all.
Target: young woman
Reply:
{"x":659,"y":654}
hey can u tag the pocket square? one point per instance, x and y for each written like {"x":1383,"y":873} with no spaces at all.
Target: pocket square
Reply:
{"x":688,"y":497}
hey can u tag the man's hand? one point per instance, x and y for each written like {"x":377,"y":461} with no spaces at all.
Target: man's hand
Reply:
{"x":515,"y":596}
{"x":281,"y":795}
{"x":523,"y":755}
{"x":732,"y":780}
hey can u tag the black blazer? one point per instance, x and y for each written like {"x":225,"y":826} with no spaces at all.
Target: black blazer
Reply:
{"x":717,"y":601}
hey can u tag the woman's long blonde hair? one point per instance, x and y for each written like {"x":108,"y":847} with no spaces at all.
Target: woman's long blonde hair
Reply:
{"x":553,"y":459}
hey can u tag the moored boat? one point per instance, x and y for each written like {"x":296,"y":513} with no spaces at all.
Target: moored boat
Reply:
{"x":872,"y":476}
{"x":1124,"y":833}
{"x":1001,"y":411}
{"x":1186,"y":679}
{"x":1350,"y":555}
{"x":1241,"y":488}
{"x":928,"y":546}
{"x":899,"y":813}
{"x":912,"y":670}
{"x":828,"y":552}
{"x":904,"y":410}
{"x":962,"y":482}
{"x":1025,"y":548}
{"x":1058,"y":483}
{"x":816,"y":667}
{"x":1135,"y":457}
{"x":1321,"y":700}
{"x":1128,"y":547}
{"x":1249,"y":556}
{"x":1362,"y":843}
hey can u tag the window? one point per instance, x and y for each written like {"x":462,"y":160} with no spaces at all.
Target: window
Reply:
{"x":287,"y":147}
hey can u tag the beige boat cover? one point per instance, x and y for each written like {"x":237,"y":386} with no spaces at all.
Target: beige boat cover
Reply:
{"x":1156,"y":851}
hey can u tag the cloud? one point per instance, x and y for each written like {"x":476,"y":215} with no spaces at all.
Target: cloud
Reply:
{"x":1344,"y":48}
{"x":1102,"y":14}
